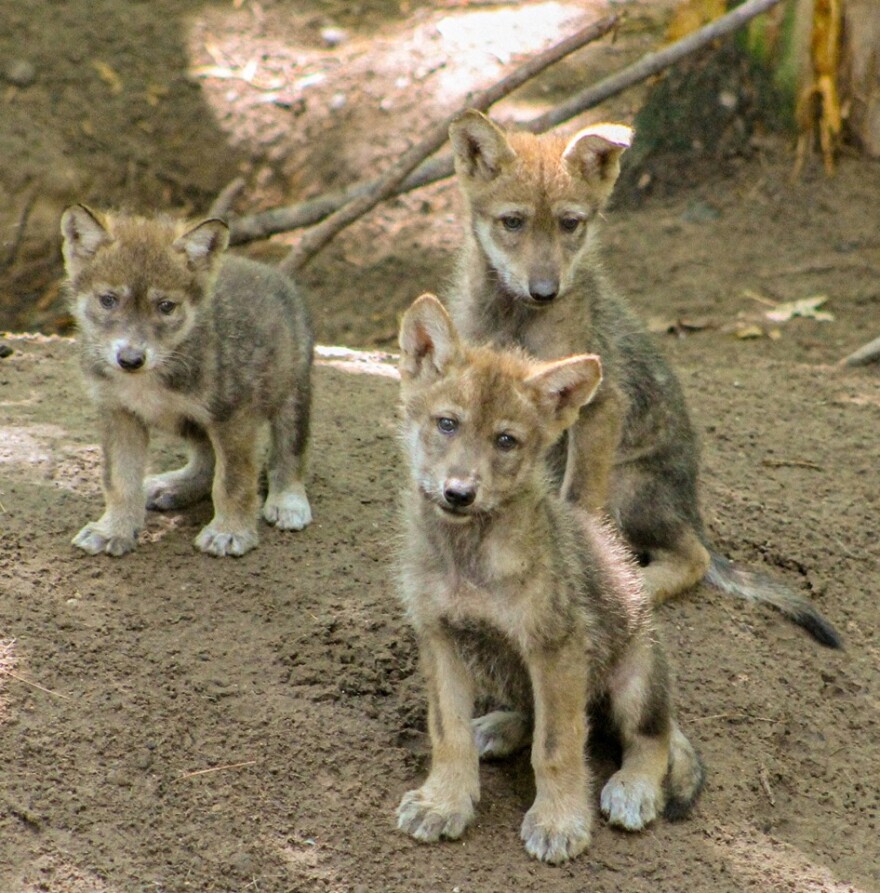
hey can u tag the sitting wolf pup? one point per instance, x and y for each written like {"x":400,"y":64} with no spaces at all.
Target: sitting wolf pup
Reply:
{"x":514,"y":593}
{"x":530,"y":276}
{"x":177,"y":335}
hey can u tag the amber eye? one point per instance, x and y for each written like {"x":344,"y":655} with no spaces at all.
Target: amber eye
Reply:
{"x":506,"y":442}
{"x":512,"y":222}
{"x":447,"y":425}
{"x":108,"y":300}
{"x":569,"y":224}
{"x":166,"y":308}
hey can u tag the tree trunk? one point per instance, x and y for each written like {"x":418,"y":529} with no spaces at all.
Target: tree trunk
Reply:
{"x":860,"y":73}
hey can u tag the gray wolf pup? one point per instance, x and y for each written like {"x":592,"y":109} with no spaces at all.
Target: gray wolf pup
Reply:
{"x":530,"y":275}
{"x":516,"y":594}
{"x":176,"y":335}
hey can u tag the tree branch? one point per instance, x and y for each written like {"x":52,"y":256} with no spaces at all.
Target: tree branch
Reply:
{"x":388,"y":184}
{"x":279,"y":220}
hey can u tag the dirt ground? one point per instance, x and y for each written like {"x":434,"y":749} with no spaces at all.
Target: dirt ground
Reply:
{"x":171,"y":722}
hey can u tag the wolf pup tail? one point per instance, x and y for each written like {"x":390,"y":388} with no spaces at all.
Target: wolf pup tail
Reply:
{"x":685,"y":777}
{"x":758,"y":587}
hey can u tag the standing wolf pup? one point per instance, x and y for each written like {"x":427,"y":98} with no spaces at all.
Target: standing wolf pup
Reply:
{"x":514,"y":593}
{"x":174,"y":334}
{"x":531,"y":276}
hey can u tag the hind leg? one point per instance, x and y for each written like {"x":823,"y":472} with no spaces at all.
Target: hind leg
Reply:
{"x":287,"y":505}
{"x":673,"y":570}
{"x":183,"y":487}
{"x":501,"y":733}
{"x":639,"y":695}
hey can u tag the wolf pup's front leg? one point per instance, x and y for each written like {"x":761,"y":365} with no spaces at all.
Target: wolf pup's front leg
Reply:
{"x":558,"y":825}
{"x":233,"y":529}
{"x":125,"y":439}
{"x":444,"y":805}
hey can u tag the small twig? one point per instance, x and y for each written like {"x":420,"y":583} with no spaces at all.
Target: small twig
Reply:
{"x":868,"y":353}
{"x":764,"y":778}
{"x":20,"y":228}
{"x":48,"y":691}
{"x":279,"y":220}
{"x":226,"y":198}
{"x":791,"y":463}
{"x":389,"y":183}
{"x":734,"y":716}
{"x":216,"y":769}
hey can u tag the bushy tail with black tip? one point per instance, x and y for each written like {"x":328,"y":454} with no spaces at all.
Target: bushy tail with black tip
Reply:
{"x":757,"y":587}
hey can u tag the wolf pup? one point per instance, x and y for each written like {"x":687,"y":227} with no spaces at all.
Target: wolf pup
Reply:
{"x":530,"y":275}
{"x":176,"y":335}
{"x":515,"y":594}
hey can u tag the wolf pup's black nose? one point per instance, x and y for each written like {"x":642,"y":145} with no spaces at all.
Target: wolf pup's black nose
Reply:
{"x":130,"y":358}
{"x":543,"y":290}
{"x":459,"y":494}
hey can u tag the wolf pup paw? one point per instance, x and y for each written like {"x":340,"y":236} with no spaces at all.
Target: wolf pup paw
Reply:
{"x":500,"y":733}
{"x":630,"y":803}
{"x":555,"y":839}
{"x":220,"y":542}
{"x":165,"y":492}
{"x":427,"y":819}
{"x":95,"y":540}
{"x":289,"y":510}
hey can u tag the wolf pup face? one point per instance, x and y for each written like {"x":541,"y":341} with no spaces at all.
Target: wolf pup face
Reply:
{"x":477,"y":424}
{"x":533,"y":199}
{"x":136,"y":285}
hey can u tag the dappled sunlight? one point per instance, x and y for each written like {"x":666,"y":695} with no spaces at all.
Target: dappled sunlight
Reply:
{"x":358,"y":362}
{"x":275,"y":90}
{"x":8,"y":661}
{"x":35,"y":448}
{"x":31,"y":445}
{"x":766,"y":863}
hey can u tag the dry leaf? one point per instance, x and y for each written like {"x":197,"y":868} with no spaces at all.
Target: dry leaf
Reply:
{"x":807,"y":308}
{"x":109,"y":76}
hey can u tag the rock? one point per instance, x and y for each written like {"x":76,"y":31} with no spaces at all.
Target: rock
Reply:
{"x":20,"y":72}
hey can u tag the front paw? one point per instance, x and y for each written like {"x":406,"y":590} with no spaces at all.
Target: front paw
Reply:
{"x":630,"y":803}
{"x":555,"y":836}
{"x":289,"y":510}
{"x":427,"y":817}
{"x":220,"y":540}
{"x":97,"y":539}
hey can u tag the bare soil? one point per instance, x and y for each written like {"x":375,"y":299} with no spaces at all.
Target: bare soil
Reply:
{"x":171,"y":722}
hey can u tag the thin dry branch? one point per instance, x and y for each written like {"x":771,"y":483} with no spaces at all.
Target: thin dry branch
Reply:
{"x":227,"y":196}
{"x":868,"y":353}
{"x":389,"y":183}
{"x":279,"y":220}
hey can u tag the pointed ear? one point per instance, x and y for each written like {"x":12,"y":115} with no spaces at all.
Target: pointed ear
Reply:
{"x":481,"y":149}
{"x":564,"y":386}
{"x":428,"y":340}
{"x":594,"y":155}
{"x":84,"y":233}
{"x":203,"y":244}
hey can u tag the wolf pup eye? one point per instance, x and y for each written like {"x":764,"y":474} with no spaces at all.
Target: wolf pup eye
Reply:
{"x":569,"y":224}
{"x":166,"y":308}
{"x":447,"y":425}
{"x":108,"y":300}
{"x":512,"y":222}
{"x":506,"y":442}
